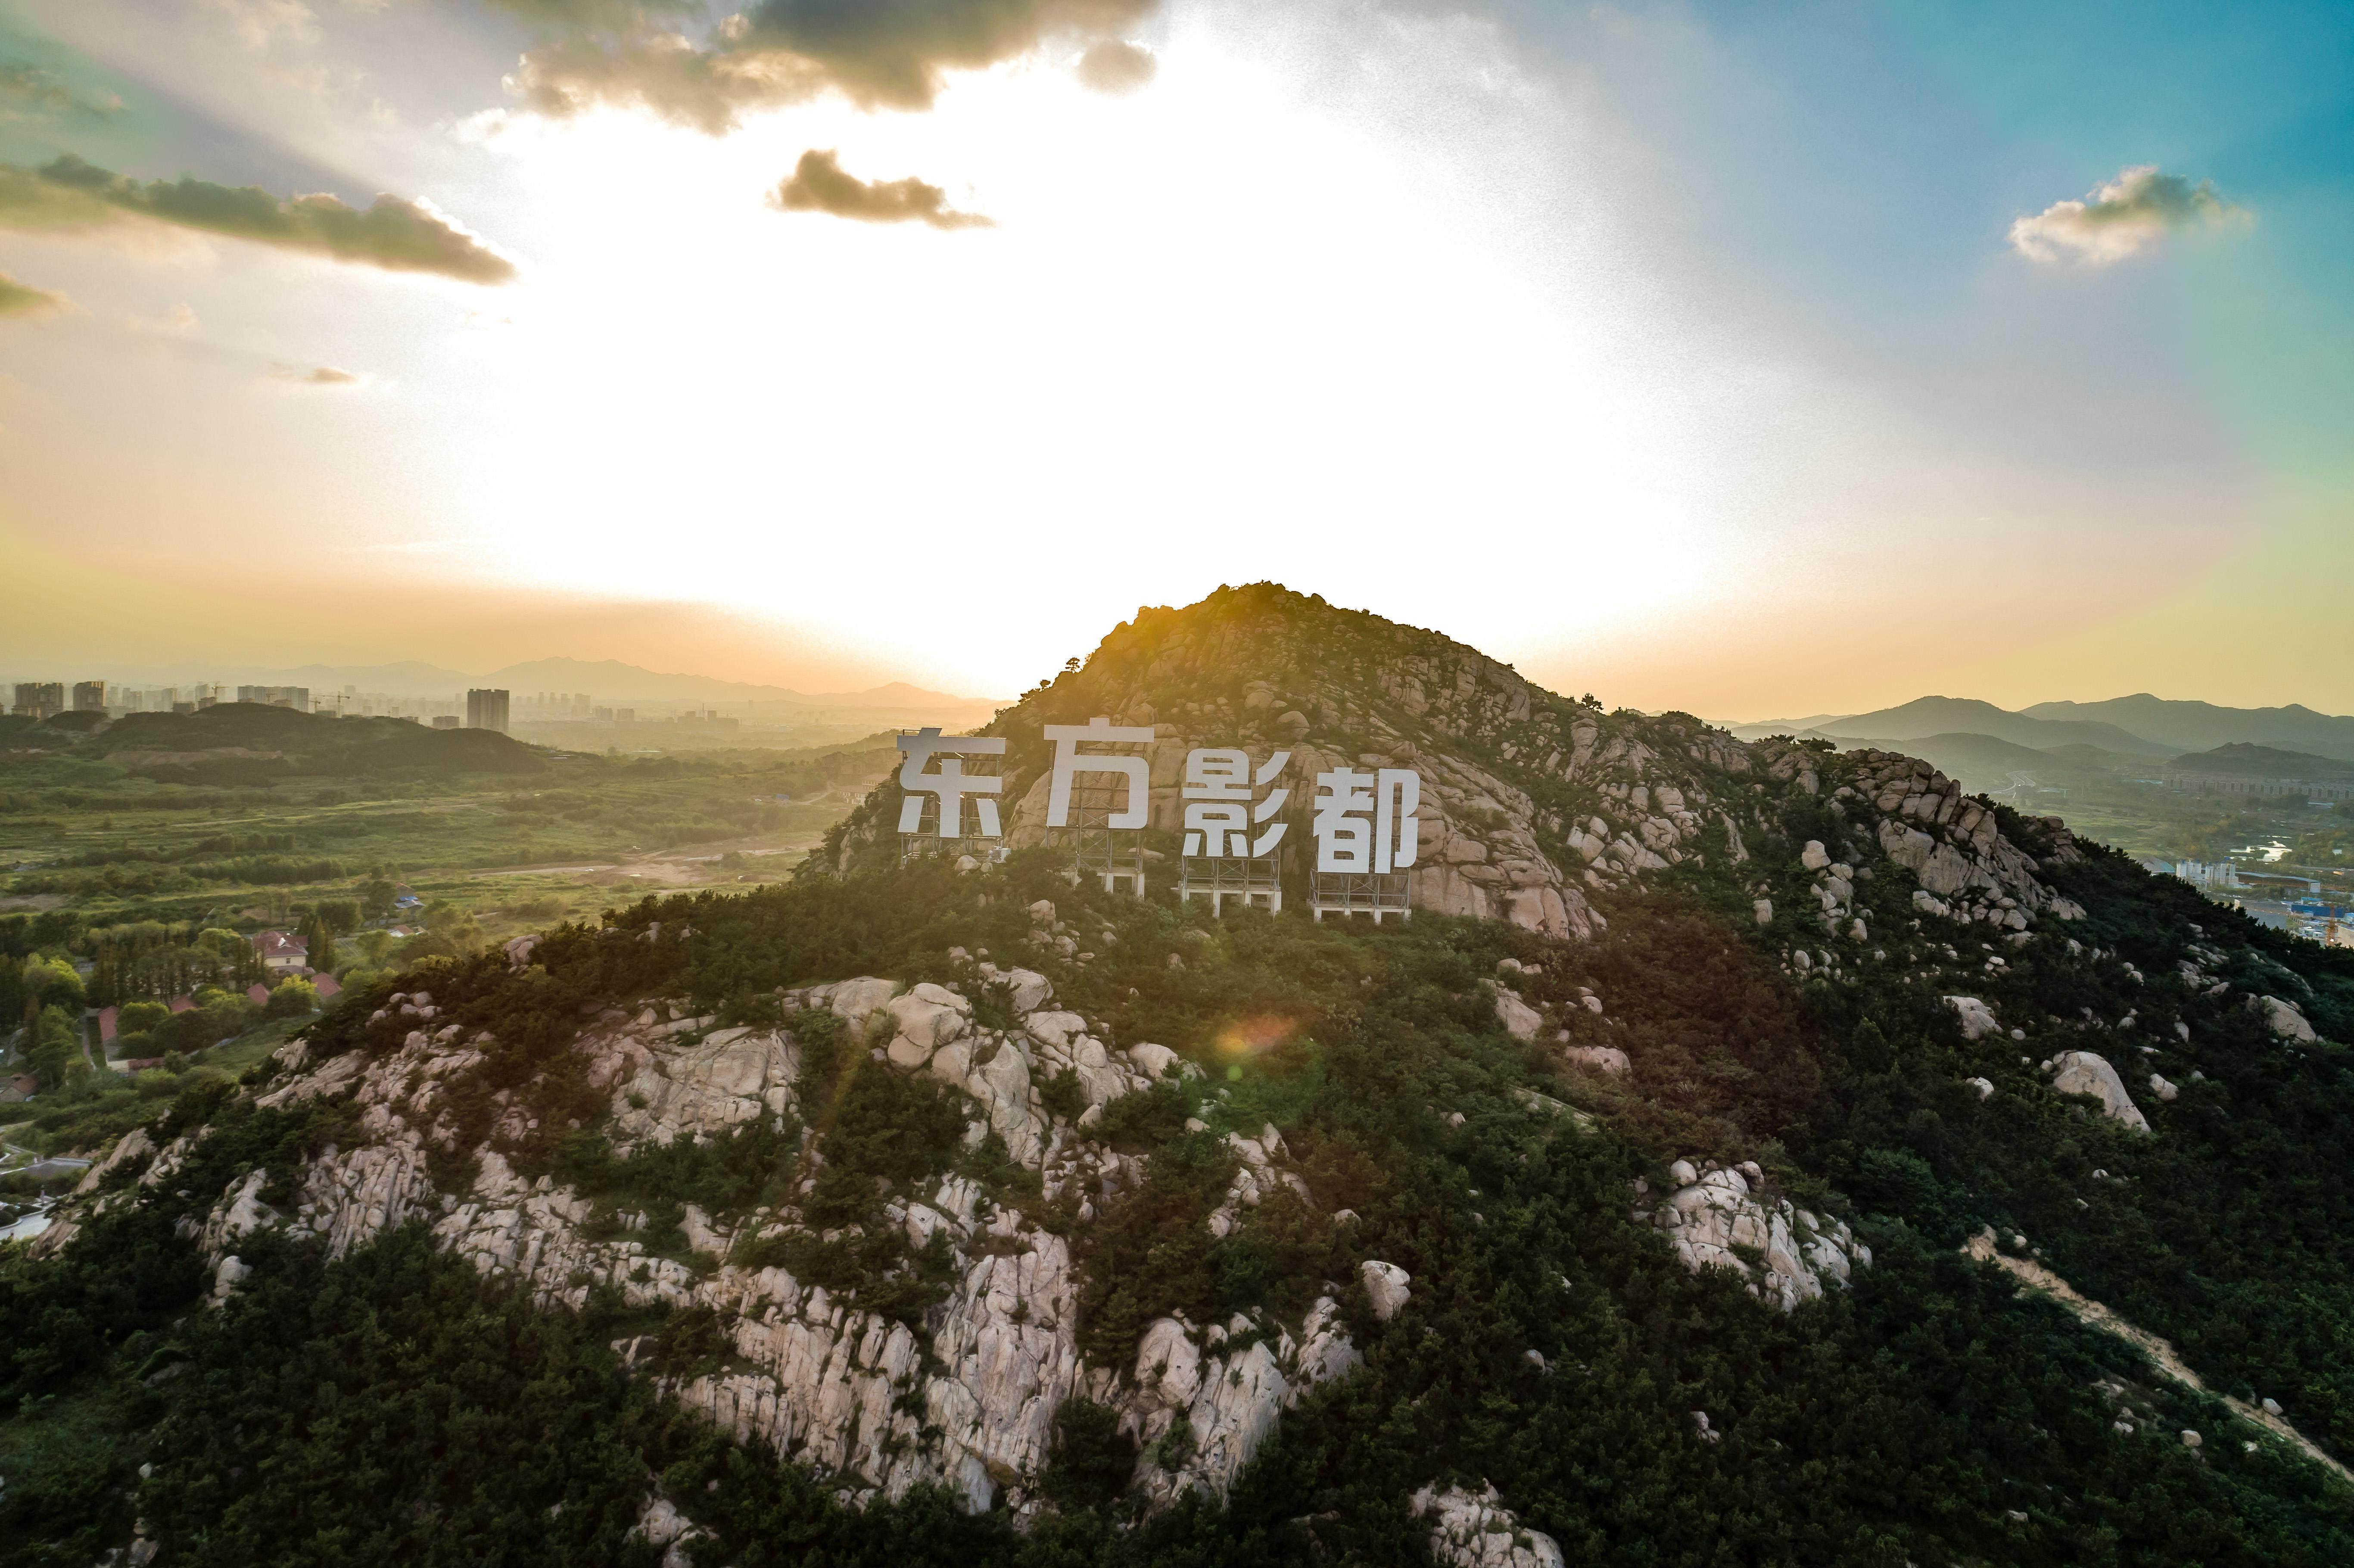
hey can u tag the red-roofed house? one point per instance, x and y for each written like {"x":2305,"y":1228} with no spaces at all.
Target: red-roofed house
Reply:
{"x":257,"y":993}
{"x":329,"y":988}
{"x":182,"y":1005}
{"x":282,"y":953}
{"x":106,"y":1016}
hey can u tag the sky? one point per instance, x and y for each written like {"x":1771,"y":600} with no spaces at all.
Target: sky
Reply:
{"x":1749,"y":360}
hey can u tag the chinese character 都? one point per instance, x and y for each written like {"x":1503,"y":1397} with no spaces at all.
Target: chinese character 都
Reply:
{"x":1346,"y":840}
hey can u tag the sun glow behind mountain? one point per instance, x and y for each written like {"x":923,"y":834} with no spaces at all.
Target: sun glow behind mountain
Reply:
{"x":1645,"y":347}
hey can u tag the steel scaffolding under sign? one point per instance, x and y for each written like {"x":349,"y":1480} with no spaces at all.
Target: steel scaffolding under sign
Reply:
{"x":1253,"y":879}
{"x":1377,"y":893}
{"x":1102,"y":825}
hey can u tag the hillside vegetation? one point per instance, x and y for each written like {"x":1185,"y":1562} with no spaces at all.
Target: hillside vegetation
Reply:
{"x":900,"y":1214}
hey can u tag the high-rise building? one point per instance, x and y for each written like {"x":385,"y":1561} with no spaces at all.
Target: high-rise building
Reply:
{"x":90,"y":696}
{"x":486,"y":709}
{"x":295,"y":697}
{"x":39,"y":699}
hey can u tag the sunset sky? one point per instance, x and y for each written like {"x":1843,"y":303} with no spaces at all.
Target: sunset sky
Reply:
{"x":1752,"y":360}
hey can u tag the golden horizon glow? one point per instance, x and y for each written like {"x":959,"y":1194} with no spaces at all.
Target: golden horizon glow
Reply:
{"x":1391,"y":307}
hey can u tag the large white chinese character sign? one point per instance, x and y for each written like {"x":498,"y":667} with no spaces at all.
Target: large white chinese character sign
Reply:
{"x":1070,"y":761}
{"x":1221,"y":819}
{"x":1364,"y":822}
{"x":949,"y":784}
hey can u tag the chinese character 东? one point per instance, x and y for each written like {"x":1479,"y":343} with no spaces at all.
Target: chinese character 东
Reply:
{"x":1218,"y":812}
{"x":1365,"y":821}
{"x":951,"y":783}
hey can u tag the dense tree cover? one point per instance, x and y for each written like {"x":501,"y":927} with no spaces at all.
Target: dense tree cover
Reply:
{"x":1553,"y":1346}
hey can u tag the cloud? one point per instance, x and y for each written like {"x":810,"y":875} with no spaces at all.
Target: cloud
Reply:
{"x":23,"y":302}
{"x":260,"y":24}
{"x":324,"y":376}
{"x":1113,"y":66}
{"x":574,"y":15}
{"x":893,"y":56}
{"x":180,"y":318}
{"x":818,"y":184}
{"x":46,"y":93}
{"x":393,"y":232}
{"x":2130,"y":213}
{"x":705,"y":90}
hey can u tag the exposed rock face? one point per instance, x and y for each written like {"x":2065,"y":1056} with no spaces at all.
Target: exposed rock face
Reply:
{"x":1978,"y":1018}
{"x":1528,"y":801}
{"x":1711,"y":1214}
{"x":968,"y":1399}
{"x":2083,"y":1073}
{"x":1230,"y":1386}
{"x":1389,"y":1286}
{"x":725,"y":1079}
{"x":132,"y":1146}
{"x":1473,"y":1530}
{"x":2285,"y":1018}
{"x":1519,"y":1019}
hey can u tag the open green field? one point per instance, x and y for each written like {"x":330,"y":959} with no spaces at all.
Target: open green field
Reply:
{"x":145,"y":853}
{"x":563,"y":832}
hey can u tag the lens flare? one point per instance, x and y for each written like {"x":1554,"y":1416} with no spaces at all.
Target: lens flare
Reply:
{"x":1247,"y":1038}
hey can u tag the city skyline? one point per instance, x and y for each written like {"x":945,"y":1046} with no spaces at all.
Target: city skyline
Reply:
{"x":1694,"y":357}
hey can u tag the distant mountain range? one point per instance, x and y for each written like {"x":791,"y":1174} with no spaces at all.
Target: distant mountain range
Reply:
{"x":607,"y":679}
{"x":2137,"y":726}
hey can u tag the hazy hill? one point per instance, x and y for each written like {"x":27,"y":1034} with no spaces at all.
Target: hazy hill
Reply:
{"x":1703,"y":1174}
{"x":245,"y":742}
{"x":1984,"y":762}
{"x":2202,"y":726}
{"x":609,"y":680}
{"x":1945,"y":715}
{"x":2264,"y":762}
{"x":2098,"y":758}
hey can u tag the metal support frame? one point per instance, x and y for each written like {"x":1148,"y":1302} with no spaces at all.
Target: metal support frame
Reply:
{"x":1253,"y":879}
{"x":1111,"y":855}
{"x":1359,"y":893}
{"x":925,"y":846}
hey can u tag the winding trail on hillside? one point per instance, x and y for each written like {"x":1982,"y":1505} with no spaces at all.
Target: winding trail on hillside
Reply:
{"x":2041,"y":1280}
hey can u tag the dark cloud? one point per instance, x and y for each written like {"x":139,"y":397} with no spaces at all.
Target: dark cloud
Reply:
{"x":1116,"y":66}
{"x":392,"y":232}
{"x":818,"y":184}
{"x":878,"y":53}
{"x":22,"y":301}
